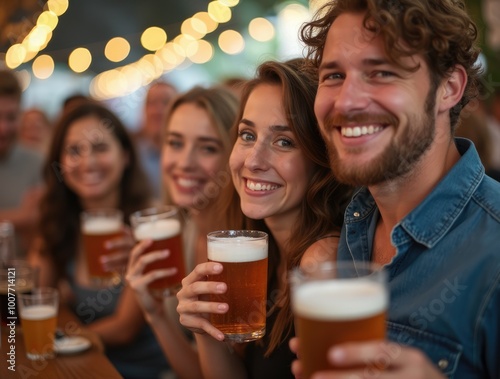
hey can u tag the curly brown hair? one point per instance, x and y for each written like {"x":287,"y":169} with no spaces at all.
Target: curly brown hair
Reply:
{"x":440,"y":30}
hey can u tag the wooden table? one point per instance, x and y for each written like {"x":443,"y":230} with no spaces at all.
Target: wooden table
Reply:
{"x":91,"y":363}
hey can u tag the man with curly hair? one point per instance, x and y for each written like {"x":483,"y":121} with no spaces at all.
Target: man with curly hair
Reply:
{"x":393,"y":79}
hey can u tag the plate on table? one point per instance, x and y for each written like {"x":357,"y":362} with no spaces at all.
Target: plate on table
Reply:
{"x":71,"y":344}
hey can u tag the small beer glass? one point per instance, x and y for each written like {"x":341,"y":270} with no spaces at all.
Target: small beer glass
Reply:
{"x":99,"y":226}
{"x":38,"y":312}
{"x":163,"y":225}
{"x":16,"y":277}
{"x":337,"y":302}
{"x":243,"y":255}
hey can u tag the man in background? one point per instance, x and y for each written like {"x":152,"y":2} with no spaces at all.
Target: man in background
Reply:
{"x":20,"y":168}
{"x":149,"y":139}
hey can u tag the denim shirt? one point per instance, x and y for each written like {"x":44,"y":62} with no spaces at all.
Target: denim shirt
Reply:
{"x":444,"y":280}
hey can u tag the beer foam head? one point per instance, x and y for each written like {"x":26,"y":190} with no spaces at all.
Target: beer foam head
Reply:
{"x":339,"y":299}
{"x":157,"y":230}
{"x":101,"y":225}
{"x":38,"y":312}
{"x":237,"y":249}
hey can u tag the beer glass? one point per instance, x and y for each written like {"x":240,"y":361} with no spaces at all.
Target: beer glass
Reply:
{"x":38,"y":312}
{"x":336,"y":302}
{"x":163,"y":225}
{"x":99,"y":226}
{"x":16,"y":277}
{"x":243,"y":255}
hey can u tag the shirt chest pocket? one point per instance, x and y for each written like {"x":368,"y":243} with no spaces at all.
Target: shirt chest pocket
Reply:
{"x":442,"y":351}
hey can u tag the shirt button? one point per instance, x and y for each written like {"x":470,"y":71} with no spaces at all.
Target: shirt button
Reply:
{"x":443,"y":364}
{"x":356,"y":214}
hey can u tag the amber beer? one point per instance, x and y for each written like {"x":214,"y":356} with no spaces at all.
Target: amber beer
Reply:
{"x":163,"y":226}
{"x":243,"y":255}
{"x":38,"y":313}
{"x":99,"y":226}
{"x":333,"y":311}
{"x":166,"y":235}
{"x":39,"y":325}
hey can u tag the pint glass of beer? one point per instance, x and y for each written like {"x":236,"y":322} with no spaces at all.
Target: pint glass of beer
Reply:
{"x":243,"y":255}
{"x":335,"y":303}
{"x":38,"y":312}
{"x":163,"y":226}
{"x":16,"y":277}
{"x":98,"y":226}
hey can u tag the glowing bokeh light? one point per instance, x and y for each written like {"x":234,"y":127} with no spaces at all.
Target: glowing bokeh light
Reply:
{"x":153,"y":38}
{"x":43,"y":66}
{"x":79,"y":60}
{"x":117,"y":49}
{"x":219,"y":12}
{"x":58,"y":6}
{"x":261,"y":29}
{"x":231,"y":42}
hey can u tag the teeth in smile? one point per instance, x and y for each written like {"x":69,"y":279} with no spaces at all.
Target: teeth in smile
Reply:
{"x":357,"y":131}
{"x":260,"y":186}
{"x":187,"y":182}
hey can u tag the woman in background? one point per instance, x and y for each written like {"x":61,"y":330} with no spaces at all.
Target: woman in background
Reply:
{"x":92,"y":164}
{"x":195,"y":171}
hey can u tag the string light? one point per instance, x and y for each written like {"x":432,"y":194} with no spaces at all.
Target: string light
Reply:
{"x":186,"y":48}
{"x":38,"y":37}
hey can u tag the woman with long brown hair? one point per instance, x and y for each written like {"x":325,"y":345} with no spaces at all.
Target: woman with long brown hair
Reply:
{"x":195,"y":173}
{"x":281,"y":172}
{"x":92,"y":164}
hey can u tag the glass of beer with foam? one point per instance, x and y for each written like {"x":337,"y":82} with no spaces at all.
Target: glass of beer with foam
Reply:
{"x":99,"y":226}
{"x":243,"y":255}
{"x":163,"y":226}
{"x":334,"y":303}
{"x":38,"y":311}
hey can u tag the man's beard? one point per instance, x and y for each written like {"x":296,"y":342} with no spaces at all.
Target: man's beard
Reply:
{"x":398,"y":158}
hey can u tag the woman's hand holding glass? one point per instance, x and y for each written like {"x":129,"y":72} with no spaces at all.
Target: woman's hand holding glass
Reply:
{"x":139,"y":281}
{"x":194,"y":309}
{"x":119,"y":251}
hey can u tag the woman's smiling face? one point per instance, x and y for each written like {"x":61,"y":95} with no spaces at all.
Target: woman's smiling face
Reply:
{"x":269,"y":170}
{"x":93,"y":161}
{"x":192,"y":157}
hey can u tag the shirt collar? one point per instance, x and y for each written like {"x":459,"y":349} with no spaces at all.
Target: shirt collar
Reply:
{"x":432,"y":218}
{"x":430,"y":221}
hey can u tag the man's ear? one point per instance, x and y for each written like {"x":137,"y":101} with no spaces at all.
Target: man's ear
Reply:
{"x":452,"y":88}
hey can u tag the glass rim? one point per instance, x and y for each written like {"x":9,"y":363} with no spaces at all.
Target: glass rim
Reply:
{"x":41,"y":293}
{"x":370,"y":269}
{"x":235,"y":233}
{"x":154,"y":213}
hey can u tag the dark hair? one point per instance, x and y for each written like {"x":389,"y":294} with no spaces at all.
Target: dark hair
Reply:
{"x":9,"y":85}
{"x":439,"y":30}
{"x":74,"y":100}
{"x":323,"y":205}
{"x":60,"y":207}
